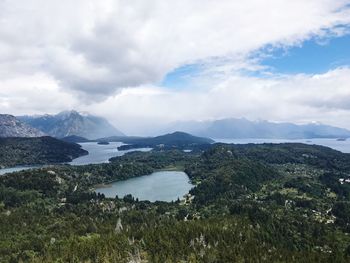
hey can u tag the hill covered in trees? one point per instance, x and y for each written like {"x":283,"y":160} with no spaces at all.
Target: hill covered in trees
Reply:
{"x":41,"y":150}
{"x":74,"y":139}
{"x":251,"y":203}
{"x":176,"y":140}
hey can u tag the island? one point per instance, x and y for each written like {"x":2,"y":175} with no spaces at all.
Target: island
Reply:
{"x":103,"y":143}
{"x":341,"y":139}
{"x":176,"y":140}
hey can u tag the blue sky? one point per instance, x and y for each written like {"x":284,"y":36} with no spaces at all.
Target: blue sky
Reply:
{"x":314,"y":56}
{"x":181,"y":77}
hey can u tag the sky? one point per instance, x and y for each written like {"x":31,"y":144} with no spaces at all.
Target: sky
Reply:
{"x":144,"y":64}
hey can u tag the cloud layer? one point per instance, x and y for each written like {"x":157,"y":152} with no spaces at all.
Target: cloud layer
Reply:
{"x":299,"y":98}
{"x":88,"y":54}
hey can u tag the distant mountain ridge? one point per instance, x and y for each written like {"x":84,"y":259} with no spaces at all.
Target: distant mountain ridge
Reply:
{"x":233,"y":128}
{"x":10,"y":126}
{"x":70,"y":123}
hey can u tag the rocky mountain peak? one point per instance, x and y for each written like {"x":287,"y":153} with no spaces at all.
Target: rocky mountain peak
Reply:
{"x":10,"y":126}
{"x":68,"y":123}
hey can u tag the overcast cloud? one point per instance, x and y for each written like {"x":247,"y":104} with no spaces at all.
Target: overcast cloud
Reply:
{"x":109,"y":58}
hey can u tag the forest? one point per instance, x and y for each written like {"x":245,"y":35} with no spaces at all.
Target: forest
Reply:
{"x":40,"y":150}
{"x":250,"y":203}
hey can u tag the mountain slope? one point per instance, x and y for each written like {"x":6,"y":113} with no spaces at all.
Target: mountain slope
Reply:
{"x":243,"y":128}
{"x":69,"y":123}
{"x":10,"y":126}
{"x":43,"y":150}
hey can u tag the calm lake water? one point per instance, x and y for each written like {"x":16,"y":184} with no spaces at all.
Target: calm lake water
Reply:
{"x":17,"y":169}
{"x":97,"y":154}
{"x":159,"y":186}
{"x":343,"y":146}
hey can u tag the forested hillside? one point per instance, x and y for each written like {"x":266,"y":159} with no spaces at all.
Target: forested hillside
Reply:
{"x":176,"y":140}
{"x":41,"y":150}
{"x":252,"y":203}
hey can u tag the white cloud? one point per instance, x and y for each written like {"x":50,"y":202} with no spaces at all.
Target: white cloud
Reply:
{"x":300,"y":98}
{"x":97,"y":47}
{"x":86,"y":54}
{"x":35,"y":94}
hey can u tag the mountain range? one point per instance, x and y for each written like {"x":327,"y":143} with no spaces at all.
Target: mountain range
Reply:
{"x":233,"y":128}
{"x":73,"y":123}
{"x":70,"y":123}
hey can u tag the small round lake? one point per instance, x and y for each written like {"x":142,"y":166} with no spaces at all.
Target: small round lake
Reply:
{"x":159,"y":186}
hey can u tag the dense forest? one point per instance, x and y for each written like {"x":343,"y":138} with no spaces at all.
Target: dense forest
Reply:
{"x":176,"y":140}
{"x":39,"y":150}
{"x":251,"y":203}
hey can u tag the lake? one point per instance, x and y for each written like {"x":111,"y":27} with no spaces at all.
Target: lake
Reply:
{"x":18,"y":168}
{"x":98,"y":153}
{"x":343,"y":146}
{"x":159,"y":186}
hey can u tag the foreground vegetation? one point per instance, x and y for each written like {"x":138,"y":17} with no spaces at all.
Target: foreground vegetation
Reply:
{"x":251,"y":203}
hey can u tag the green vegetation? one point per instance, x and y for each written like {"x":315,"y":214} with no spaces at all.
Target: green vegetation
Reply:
{"x":41,"y":150}
{"x":251,"y":203}
{"x":74,"y":139}
{"x":176,"y":140}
